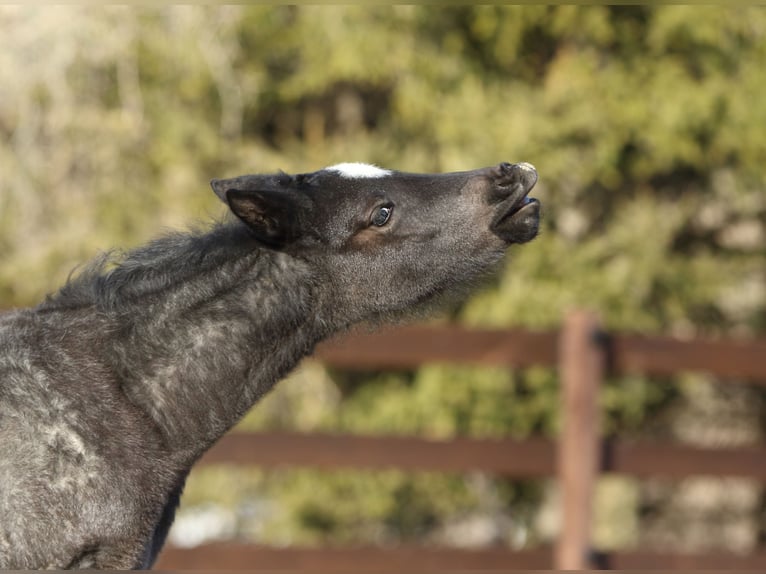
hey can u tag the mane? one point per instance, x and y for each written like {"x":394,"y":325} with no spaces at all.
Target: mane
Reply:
{"x":117,"y":277}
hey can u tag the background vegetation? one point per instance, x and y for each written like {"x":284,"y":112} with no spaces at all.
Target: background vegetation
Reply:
{"x":645,"y":123}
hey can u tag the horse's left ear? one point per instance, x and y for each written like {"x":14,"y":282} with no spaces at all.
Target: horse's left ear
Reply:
{"x":221,"y":186}
{"x":272,"y":216}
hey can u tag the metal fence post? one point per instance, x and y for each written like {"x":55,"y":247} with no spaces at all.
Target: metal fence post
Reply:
{"x":582,"y":364}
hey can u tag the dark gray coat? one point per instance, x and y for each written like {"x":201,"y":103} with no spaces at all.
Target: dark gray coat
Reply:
{"x":113,"y":388}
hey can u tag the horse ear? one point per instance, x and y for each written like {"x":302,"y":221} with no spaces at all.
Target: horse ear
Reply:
{"x":242,"y":182}
{"x":272,"y":216}
{"x":220,"y":187}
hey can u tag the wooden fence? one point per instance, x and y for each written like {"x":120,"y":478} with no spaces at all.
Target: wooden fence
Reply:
{"x":583,"y":353}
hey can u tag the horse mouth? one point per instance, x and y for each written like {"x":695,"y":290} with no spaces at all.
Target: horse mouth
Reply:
{"x":517,"y":219}
{"x":518,"y":207}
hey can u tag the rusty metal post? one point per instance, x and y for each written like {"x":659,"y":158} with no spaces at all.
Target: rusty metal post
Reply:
{"x":582,"y":361}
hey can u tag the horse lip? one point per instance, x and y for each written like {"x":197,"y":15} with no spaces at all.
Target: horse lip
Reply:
{"x":524,"y":203}
{"x":519,"y":223}
{"x":514,"y":206}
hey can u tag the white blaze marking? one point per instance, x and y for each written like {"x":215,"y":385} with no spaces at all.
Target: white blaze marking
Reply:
{"x":358,"y":170}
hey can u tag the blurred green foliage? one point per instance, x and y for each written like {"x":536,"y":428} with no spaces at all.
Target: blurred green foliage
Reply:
{"x":645,"y":123}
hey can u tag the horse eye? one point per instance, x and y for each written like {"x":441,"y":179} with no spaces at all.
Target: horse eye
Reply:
{"x":381,"y":215}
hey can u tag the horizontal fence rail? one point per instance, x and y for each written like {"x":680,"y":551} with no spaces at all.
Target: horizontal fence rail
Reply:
{"x":531,"y":458}
{"x":412,"y":346}
{"x":232,"y":556}
{"x":220,"y":556}
{"x":408,"y":347}
{"x":666,"y":356}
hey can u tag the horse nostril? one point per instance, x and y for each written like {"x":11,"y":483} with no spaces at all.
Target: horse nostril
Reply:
{"x":512,"y":182}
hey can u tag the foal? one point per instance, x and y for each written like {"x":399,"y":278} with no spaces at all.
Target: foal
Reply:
{"x":113,"y":388}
